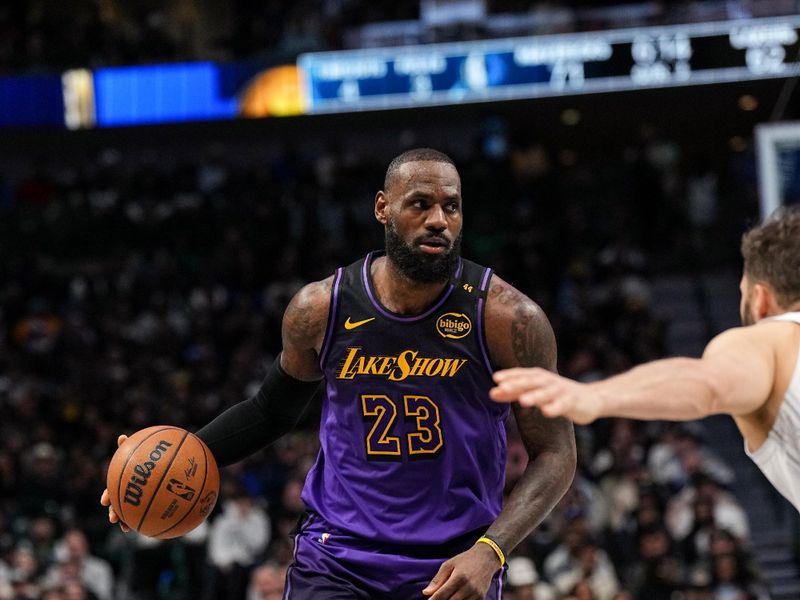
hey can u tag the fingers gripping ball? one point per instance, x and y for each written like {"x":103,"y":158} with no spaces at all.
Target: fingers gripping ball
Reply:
{"x":163,"y":481}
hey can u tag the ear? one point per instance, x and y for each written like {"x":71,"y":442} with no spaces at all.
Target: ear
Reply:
{"x":764,"y":304}
{"x":381,"y":207}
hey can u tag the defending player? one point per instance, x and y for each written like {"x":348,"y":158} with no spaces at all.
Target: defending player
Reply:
{"x":750,"y":372}
{"x":405,"y":498}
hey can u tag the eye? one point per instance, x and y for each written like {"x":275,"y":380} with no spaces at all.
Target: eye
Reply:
{"x":452,"y":207}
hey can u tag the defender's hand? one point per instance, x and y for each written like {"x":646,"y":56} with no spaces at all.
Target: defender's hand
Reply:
{"x":466,"y":576}
{"x":554,"y":395}
{"x":105,"y":501}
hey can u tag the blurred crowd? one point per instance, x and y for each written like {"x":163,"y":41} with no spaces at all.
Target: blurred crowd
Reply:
{"x":48,"y":35}
{"x":139,"y":290}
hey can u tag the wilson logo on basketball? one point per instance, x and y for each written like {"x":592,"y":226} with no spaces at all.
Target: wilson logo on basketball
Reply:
{"x":142,"y":472}
{"x":453,"y":325}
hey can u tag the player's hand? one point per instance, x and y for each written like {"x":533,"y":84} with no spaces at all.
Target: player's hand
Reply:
{"x":554,"y":395}
{"x":466,"y":576}
{"x":106,"y":501}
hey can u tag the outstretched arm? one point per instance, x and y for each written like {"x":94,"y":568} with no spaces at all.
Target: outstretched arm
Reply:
{"x":518,"y":334}
{"x":735,"y":376}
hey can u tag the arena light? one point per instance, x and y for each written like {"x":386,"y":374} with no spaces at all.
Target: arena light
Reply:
{"x":737,"y":143}
{"x":570,"y":117}
{"x":78,"y":86}
{"x":748,"y":102}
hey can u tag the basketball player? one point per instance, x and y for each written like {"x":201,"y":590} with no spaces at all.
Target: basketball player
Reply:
{"x":405,"y":499}
{"x":751,"y":373}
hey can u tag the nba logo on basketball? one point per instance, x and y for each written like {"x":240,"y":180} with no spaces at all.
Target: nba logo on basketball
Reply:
{"x":179,"y":488}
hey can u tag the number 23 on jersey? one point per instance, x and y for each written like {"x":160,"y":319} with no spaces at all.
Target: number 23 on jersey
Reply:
{"x":424,"y":439}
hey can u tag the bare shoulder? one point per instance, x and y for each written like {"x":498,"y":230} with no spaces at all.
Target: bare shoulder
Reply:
{"x":306,"y":317}
{"x":759,"y":337}
{"x":773,"y":344}
{"x":518,"y":332}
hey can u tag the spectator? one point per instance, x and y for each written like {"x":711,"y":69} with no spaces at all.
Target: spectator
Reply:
{"x":578,"y":560}
{"x":266,"y":582}
{"x":524,"y":582}
{"x":73,"y":589}
{"x":731,"y":581}
{"x":23,"y":574}
{"x":41,"y":488}
{"x":74,"y":562}
{"x":42,"y":538}
{"x":237,"y":539}
{"x":726,"y":512}
{"x":661,"y":571}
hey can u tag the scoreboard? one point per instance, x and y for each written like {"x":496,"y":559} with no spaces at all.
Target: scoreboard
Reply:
{"x":409,"y":76}
{"x":515,"y":68}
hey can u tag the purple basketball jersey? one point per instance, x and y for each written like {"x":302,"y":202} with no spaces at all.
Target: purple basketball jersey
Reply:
{"x":412,"y":448}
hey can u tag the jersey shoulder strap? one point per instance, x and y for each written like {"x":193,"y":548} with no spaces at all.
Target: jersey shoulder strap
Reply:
{"x":472,"y":281}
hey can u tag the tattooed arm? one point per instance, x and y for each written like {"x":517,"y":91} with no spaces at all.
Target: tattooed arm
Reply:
{"x":519,"y":334}
{"x":303,"y":329}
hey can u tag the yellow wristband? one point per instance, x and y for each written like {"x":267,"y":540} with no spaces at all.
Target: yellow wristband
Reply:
{"x":494,"y":546}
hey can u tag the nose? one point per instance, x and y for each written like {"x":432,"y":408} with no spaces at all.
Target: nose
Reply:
{"x":435,"y":218}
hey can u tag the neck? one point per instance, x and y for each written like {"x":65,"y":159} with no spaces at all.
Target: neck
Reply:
{"x":776,"y":310}
{"x":399,"y":293}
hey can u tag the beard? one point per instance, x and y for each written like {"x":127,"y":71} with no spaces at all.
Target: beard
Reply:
{"x":418,"y":266}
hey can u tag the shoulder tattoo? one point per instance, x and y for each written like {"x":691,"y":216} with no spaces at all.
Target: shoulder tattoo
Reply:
{"x":306,"y":316}
{"x":532,"y":336}
{"x":505,"y":294}
{"x":531,"y":342}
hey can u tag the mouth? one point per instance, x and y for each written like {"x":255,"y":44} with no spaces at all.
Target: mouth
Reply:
{"x":434,"y":245}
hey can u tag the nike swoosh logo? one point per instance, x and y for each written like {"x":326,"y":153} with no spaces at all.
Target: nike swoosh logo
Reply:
{"x":352,"y":325}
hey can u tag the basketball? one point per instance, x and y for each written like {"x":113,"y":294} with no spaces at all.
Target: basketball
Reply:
{"x":163,"y":481}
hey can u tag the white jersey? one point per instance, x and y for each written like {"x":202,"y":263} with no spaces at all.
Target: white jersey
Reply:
{"x":779,"y":456}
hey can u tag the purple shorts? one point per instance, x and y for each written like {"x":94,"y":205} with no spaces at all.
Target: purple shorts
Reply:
{"x":333,"y":565}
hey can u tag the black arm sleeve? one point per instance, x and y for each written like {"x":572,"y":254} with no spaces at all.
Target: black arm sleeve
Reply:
{"x":252,"y":424}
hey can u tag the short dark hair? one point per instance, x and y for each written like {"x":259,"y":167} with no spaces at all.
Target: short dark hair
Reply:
{"x":771,"y":253}
{"x":414,"y":155}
